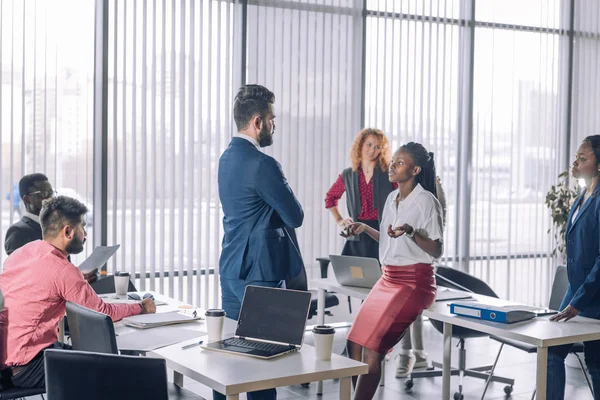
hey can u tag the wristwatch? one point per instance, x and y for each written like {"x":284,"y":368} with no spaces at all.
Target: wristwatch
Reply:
{"x":142,"y":307}
{"x":411,"y":234}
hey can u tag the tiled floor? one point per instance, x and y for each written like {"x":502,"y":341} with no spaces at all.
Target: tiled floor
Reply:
{"x":513,"y":363}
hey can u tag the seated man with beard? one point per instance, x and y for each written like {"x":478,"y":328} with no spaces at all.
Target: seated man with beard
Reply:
{"x":37,"y":281}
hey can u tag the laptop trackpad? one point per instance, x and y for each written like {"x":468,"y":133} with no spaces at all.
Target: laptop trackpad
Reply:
{"x":238,"y":349}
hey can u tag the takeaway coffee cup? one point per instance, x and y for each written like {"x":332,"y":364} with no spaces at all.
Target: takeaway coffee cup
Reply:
{"x":323,"y":335}
{"x":214,"y":324}
{"x":121,"y":283}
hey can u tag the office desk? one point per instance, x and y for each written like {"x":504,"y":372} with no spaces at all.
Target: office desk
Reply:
{"x":540,"y":332}
{"x":232,"y":374}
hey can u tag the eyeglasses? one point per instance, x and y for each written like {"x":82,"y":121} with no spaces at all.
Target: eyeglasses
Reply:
{"x":45,"y":194}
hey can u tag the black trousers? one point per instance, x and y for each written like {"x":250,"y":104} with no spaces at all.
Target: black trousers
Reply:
{"x":32,"y":374}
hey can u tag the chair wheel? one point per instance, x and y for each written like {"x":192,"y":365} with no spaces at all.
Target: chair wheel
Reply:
{"x":305,"y":385}
{"x":408,"y":384}
{"x":508,"y":389}
{"x":458,"y":396}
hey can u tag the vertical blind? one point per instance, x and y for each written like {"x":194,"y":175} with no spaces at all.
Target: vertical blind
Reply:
{"x":309,"y":54}
{"x":46,"y":99}
{"x":411,"y":84}
{"x":170,"y":85}
{"x":335,"y":67}
{"x":516,"y":146}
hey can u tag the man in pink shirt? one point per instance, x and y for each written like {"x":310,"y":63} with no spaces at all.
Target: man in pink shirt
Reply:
{"x":37,"y":281}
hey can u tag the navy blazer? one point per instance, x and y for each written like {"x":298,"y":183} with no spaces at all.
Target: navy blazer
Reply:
{"x":583,"y":257}
{"x":258,"y":205}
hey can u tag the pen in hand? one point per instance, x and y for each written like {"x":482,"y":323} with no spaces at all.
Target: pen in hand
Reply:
{"x":188,"y":346}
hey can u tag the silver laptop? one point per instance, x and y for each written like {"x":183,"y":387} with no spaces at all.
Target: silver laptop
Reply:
{"x":271,"y":323}
{"x":356,"y":271}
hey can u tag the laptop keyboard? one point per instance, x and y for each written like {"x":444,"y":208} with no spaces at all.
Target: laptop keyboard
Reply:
{"x":251,"y":344}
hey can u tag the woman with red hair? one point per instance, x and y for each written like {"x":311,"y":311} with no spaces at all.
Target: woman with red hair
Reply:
{"x":367,"y":186}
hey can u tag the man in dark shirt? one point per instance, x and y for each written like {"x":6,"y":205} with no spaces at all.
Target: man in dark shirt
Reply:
{"x":33,"y":189}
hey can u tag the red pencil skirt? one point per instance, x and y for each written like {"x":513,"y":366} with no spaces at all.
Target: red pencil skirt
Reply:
{"x":395,"y":302}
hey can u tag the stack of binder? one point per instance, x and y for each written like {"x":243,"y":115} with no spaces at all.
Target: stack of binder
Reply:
{"x":504,"y":314}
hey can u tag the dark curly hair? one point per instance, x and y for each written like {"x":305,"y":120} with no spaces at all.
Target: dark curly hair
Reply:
{"x":249,"y":101}
{"x":424,"y":159}
{"x":58,"y":212}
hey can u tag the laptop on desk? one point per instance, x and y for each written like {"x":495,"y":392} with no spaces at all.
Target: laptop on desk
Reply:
{"x":271,"y":323}
{"x":356,"y":271}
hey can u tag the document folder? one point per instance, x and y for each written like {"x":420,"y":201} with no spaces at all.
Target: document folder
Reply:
{"x":145,"y":321}
{"x":503,"y":314}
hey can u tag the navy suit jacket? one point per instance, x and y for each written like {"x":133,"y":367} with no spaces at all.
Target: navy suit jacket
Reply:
{"x":258,"y":205}
{"x":583,"y":257}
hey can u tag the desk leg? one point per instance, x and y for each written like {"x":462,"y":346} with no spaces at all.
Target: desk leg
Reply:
{"x":177,"y":378}
{"x":542,"y":369}
{"x":446,"y":371}
{"x":321,"y":321}
{"x":233,"y":397}
{"x":321,"y":307}
{"x":345,"y":388}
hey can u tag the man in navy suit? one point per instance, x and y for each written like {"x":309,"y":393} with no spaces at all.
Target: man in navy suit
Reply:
{"x":259,"y":208}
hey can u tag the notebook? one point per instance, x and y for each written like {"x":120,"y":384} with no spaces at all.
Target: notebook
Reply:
{"x":271,"y":323}
{"x":144,"y":321}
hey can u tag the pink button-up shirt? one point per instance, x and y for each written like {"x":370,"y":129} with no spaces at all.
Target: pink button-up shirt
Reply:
{"x":37,"y":281}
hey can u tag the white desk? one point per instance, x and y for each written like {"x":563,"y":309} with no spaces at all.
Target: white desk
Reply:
{"x":539,"y":332}
{"x":232,"y":374}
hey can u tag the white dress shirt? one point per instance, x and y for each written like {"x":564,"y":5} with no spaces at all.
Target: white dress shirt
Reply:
{"x":31,"y":216}
{"x":248,"y":138}
{"x":421,"y":210}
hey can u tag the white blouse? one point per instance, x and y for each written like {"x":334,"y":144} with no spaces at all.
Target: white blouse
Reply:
{"x":421,"y":210}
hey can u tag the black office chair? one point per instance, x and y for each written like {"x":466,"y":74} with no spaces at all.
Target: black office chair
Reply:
{"x":94,"y":332}
{"x":74,"y":375}
{"x":301,"y":283}
{"x":455,"y":279}
{"x":559,"y":288}
{"x":17,"y":393}
{"x":324,"y":265}
{"x":107,"y":285}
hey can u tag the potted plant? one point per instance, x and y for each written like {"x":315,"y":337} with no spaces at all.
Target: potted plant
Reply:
{"x":559,"y":200}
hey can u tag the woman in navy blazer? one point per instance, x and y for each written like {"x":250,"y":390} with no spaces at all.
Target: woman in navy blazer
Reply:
{"x":583,"y":268}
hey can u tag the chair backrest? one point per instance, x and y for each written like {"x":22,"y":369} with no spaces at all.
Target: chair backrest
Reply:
{"x":91,"y":330}
{"x":74,"y":375}
{"x":559,"y":287}
{"x":455,"y":279}
{"x":107,"y":285}
{"x":300,"y":282}
{"x":460,"y":280}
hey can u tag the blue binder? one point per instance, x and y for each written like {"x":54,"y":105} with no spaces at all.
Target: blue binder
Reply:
{"x":503,"y":314}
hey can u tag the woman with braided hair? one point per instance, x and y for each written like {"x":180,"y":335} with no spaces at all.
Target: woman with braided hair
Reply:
{"x":412,"y":241}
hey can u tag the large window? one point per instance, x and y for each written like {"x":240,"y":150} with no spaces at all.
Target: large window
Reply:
{"x":46,"y":98}
{"x":170,"y":74}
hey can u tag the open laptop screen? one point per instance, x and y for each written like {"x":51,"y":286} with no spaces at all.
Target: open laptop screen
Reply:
{"x":273,"y":314}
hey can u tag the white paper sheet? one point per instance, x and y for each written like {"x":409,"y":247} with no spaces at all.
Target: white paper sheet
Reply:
{"x":99,"y":257}
{"x":155,"y":338}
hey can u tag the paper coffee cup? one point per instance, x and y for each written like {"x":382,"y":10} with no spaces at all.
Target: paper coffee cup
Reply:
{"x":215,"y":317}
{"x":323,"y":335}
{"x":121,"y":283}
